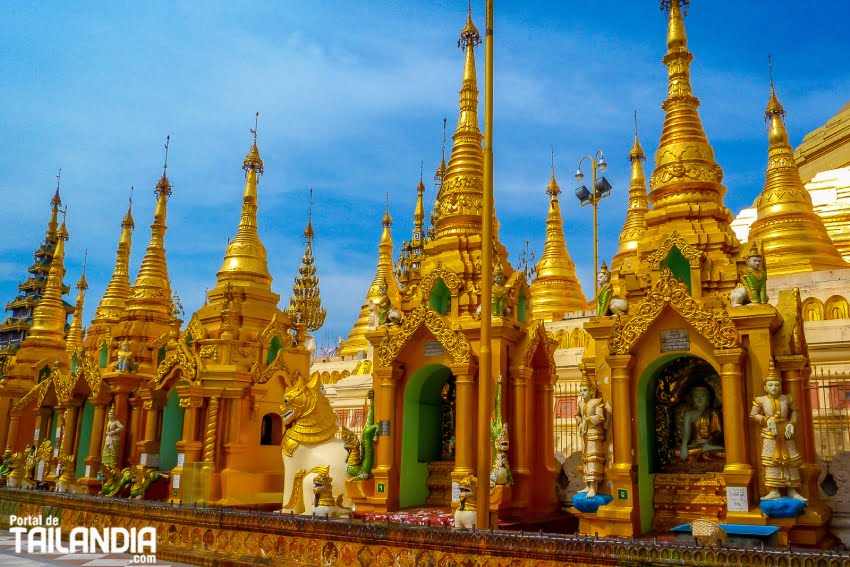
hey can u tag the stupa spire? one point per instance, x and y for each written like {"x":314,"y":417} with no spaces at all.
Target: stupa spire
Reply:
{"x":152,"y":289}
{"x":76,"y":332}
{"x":55,"y":204}
{"x":458,"y":209}
{"x":793,"y":237}
{"x":383,"y":274}
{"x":114,"y":299}
{"x":48,"y":320}
{"x":245,"y":258}
{"x":305,"y":304}
{"x":556,"y":289}
{"x":635,"y":225}
{"x":684,"y":160}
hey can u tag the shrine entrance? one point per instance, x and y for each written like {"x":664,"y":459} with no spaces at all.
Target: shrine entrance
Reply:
{"x":427,"y":442}
{"x":681,"y":440}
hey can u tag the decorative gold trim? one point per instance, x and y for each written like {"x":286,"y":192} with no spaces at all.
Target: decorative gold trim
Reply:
{"x":181,"y":356}
{"x":537,"y":336}
{"x":455,"y":343}
{"x":277,"y":366}
{"x":669,"y":291}
{"x":452,"y":281}
{"x":276,"y":328}
{"x":693,"y":255}
{"x":38,"y":392}
{"x":90,"y":372}
{"x":196,"y":329}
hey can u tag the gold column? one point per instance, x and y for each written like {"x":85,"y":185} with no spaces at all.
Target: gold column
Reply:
{"x":522,"y":412}
{"x":130,"y":453}
{"x":12,"y":433}
{"x":465,"y":456}
{"x":6,"y":404}
{"x":386,"y":472}
{"x":622,"y":471}
{"x":70,"y":433}
{"x":95,"y":443}
{"x":738,"y":470}
{"x":150,"y":443}
{"x":211,"y":430}
{"x":44,"y":415}
{"x":545,"y":415}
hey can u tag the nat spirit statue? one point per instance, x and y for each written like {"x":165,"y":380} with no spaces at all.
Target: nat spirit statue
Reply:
{"x":606,"y":302}
{"x":591,"y":428}
{"x":702,"y":430}
{"x":125,"y":361}
{"x":499,"y":293}
{"x":112,"y":442}
{"x":387,"y":314}
{"x":753,"y":280}
{"x":777,"y":415}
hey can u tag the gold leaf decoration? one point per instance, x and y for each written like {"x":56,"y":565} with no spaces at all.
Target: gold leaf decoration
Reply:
{"x":455,"y":343}
{"x":693,"y":255}
{"x":720,"y":332}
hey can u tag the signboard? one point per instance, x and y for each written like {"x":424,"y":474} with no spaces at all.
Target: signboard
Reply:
{"x":40,"y":472}
{"x":622,"y":494}
{"x":675,"y":339}
{"x":736,"y":499}
{"x":433,"y":348}
{"x":37,"y":434}
{"x":176,"y":479}
{"x":382,"y":487}
{"x":455,"y":492}
{"x":88,"y":470}
{"x":384,"y":428}
{"x":181,"y":458}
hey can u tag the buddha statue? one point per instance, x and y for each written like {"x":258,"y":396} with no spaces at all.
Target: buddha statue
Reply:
{"x":702,"y":428}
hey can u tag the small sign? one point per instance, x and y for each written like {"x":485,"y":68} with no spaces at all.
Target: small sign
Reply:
{"x":143,"y":460}
{"x":181,"y":458}
{"x":36,"y":436}
{"x":455,"y":492}
{"x":433,"y":348}
{"x":622,"y":493}
{"x":736,"y":499}
{"x":384,"y":428}
{"x":40,"y":472}
{"x":675,"y":339}
{"x":88,"y":471}
{"x":176,"y":483}
{"x":382,"y":487}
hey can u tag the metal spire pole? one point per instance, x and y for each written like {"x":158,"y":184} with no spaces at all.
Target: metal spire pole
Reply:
{"x":485,"y":368}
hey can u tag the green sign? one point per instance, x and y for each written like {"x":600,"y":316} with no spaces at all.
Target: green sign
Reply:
{"x":382,"y":487}
{"x":622,"y":494}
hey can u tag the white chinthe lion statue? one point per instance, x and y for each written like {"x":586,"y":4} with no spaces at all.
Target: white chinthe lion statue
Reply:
{"x":309,"y":442}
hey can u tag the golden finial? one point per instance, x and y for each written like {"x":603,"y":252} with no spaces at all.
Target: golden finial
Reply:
{"x":555,"y":290}
{"x":56,"y":201}
{"x":114,"y":299}
{"x":665,"y":5}
{"x":253,"y":160}
{"x":48,"y":320}
{"x":387,"y":220}
{"x":440,"y":174}
{"x":83,"y":284}
{"x":774,"y":107}
{"x":469,"y":34}
{"x":305,"y":304}
{"x":635,"y":224}
{"x":163,"y":187}
{"x":245,"y":257}
{"x":795,"y":236}
{"x":128,"y":221}
{"x":553,"y":190}
{"x":76,"y":333}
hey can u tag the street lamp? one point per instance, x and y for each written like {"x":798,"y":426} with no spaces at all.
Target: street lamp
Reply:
{"x":601,"y":189}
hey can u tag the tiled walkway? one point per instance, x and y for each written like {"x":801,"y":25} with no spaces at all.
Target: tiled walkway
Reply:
{"x":8,"y":557}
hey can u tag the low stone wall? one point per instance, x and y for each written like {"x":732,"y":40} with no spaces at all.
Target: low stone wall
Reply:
{"x":208,"y":536}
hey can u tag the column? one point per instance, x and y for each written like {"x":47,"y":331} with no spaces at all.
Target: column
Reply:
{"x":12,"y":433}
{"x":738,"y":470}
{"x":795,"y":383}
{"x":522,"y":413}
{"x":623,"y":420}
{"x":465,"y":422}
{"x":149,"y":445}
{"x":70,"y":433}
{"x":95,"y":444}
{"x":130,"y":433}
{"x":385,"y":382}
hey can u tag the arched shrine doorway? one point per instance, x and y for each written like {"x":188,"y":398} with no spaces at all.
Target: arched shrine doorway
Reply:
{"x":427,"y":444}
{"x":681,"y":441}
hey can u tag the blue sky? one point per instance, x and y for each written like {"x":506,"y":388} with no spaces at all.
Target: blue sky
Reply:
{"x":351,"y":97}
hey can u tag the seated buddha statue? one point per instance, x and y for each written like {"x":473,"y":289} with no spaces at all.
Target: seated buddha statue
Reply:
{"x":702,"y":429}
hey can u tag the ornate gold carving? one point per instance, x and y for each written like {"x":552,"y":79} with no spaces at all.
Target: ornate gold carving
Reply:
{"x":307,"y":415}
{"x":90,"y":372}
{"x":247,"y":352}
{"x":184,"y":403}
{"x":195,"y":329}
{"x":209,"y":351}
{"x":278,"y":327}
{"x":278,"y":366}
{"x":449,"y":278}
{"x":148,"y":404}
{"x":179,"y":355}
{"x":38,"y":392}
{"x":537,"y":335}
{"x":63,"y":384}
{"x":669,"y":291}
{"x":210,"y":434}
{"x":455,"y":343}
{"x":693,"y":255}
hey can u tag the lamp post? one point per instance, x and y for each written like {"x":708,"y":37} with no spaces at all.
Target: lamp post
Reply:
{"x":601,"y":189}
